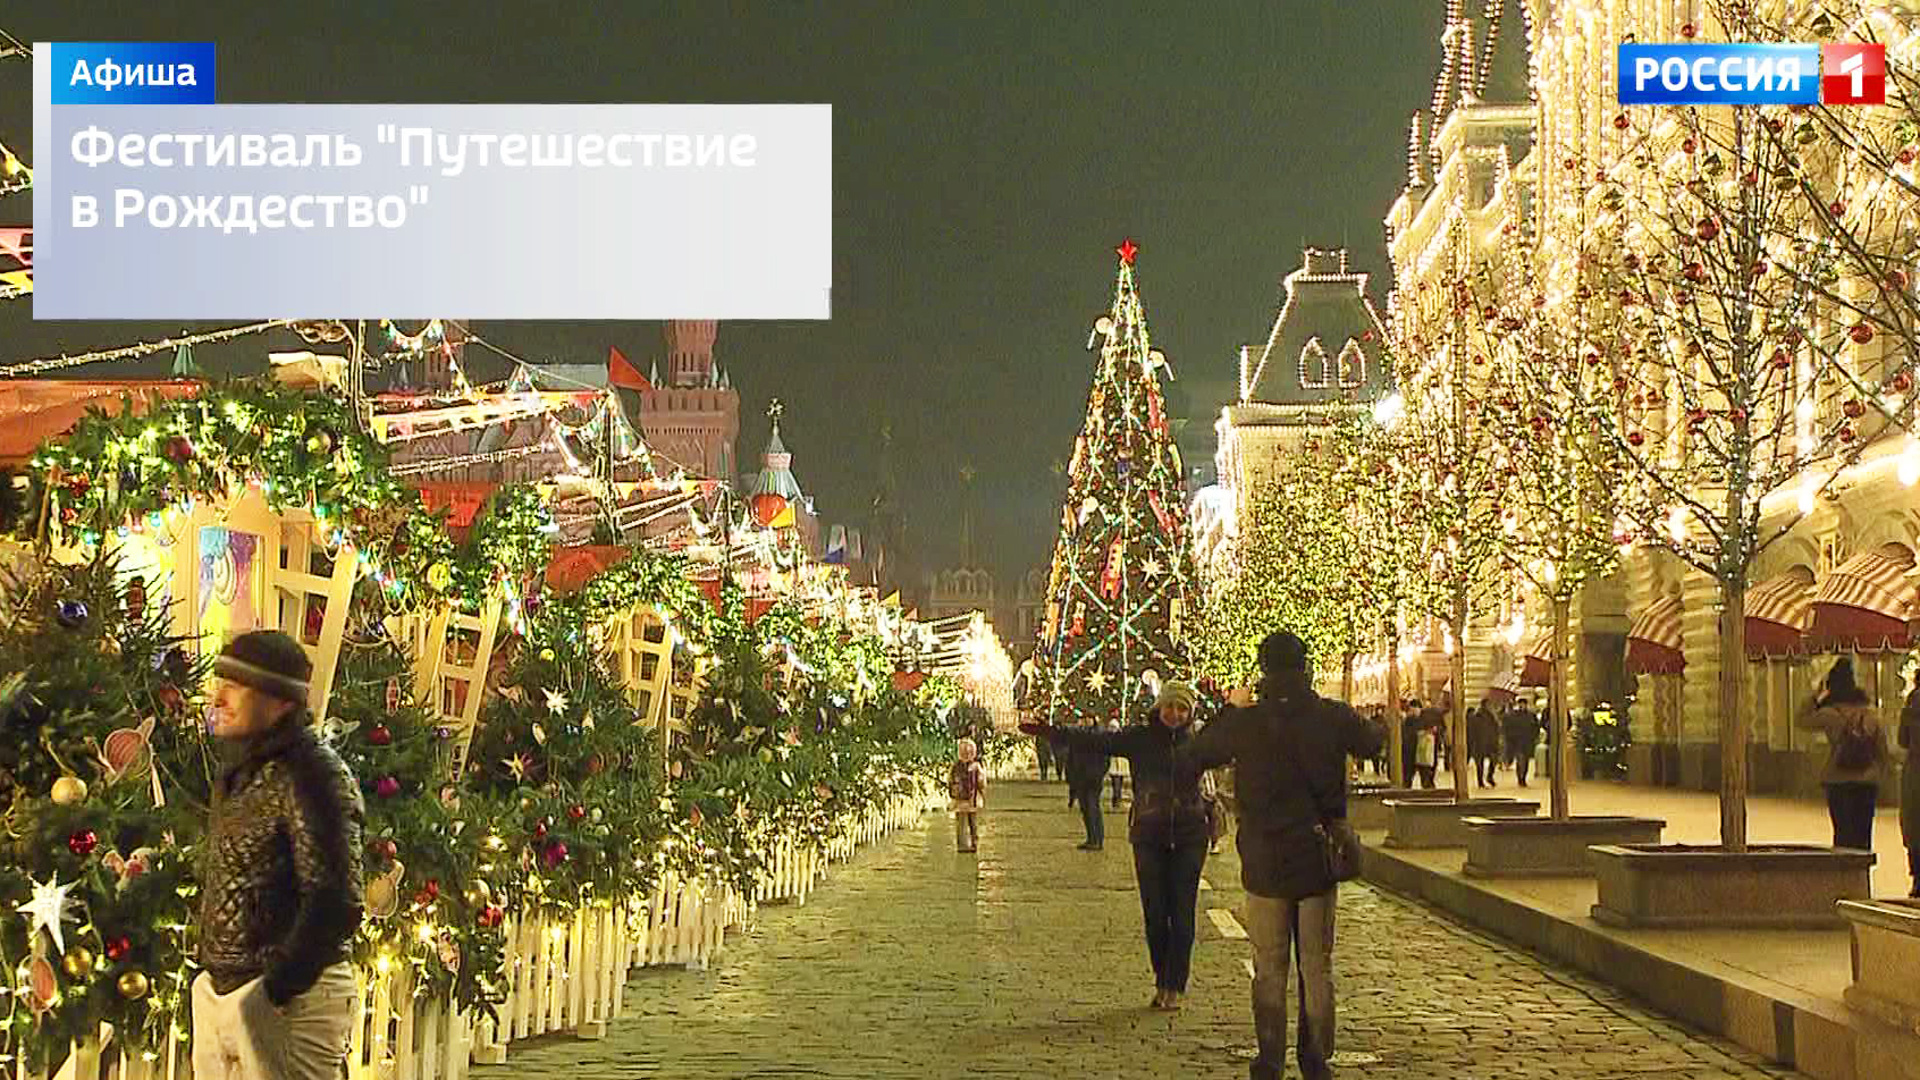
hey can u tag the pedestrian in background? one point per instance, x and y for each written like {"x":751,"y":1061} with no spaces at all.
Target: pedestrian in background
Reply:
{"x":1910,"y":784}
{"x":1483,"y":741}
{"x":1086,"y":774}
{"x":1289,"y":749}
{"x":1521,"y":730}
{"x":967,"y":787}
{"x":1411,"y":719}
{"x":1120,"y":768}
{"x":1043,"y":753}
{"x":1856,"y":755}
{"x":1168,"y":829}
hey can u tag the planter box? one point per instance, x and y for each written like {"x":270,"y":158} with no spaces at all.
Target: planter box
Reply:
{"x":1886,"y":960}
{"x":1367,"y":807}
{"x":1435,"y":823}
{"x":1768,"y":886}
{"x":1543,"y":847}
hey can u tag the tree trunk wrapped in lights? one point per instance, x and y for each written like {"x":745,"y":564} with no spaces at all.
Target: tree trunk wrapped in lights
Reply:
{"x":1722,"y":374}
{"x":1558,"y":524}
{"x":1457,"y":478}
{"x":1122,"y":598}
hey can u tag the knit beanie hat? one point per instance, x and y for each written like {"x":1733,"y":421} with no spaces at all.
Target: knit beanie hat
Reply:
{"x":268,"y":661}
{"x":1173,"y":692}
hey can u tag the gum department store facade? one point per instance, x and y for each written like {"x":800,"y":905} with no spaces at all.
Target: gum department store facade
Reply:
{"x":1485,"y":161}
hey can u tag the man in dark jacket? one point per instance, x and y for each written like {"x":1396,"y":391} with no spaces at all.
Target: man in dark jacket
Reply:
{"x":1522,"y":731}
{"x":1483,"y":741}
{"x":1169,"y":828}
{"x":1086,"y":769}
{"x":1410,"y":721}
{"x":1289,"y":751}
{"x":280,"y":882}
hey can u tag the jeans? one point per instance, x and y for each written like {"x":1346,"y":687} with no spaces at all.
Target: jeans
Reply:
{"x":1851,"y":808}
{"x":966,"y":829}
{"x":1304,"y":928}
{"x":241,"y":1036}
{"x":1119,"y":786}
{"x":1090,"y":814}
{"x":1522,"y":761}
{"x":1483,"y":769}
{"x":1169,"y":879}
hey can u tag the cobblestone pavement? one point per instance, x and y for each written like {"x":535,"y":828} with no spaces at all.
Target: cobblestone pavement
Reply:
{"x":1027,"y":960}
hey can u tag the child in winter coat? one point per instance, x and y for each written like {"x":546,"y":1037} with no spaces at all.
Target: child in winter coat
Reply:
{"x":968,"y":789}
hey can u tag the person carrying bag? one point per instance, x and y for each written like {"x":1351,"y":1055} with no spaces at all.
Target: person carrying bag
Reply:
{"x":1289,"y":749}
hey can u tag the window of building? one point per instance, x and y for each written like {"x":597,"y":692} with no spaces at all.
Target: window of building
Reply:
{"x":1314,"y":369}
{"x":1353,"y":365}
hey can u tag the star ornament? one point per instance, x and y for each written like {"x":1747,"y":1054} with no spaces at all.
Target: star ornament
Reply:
{"x":1127,"y":250}
{"x":48,"y":910}
{"x":556,"y":701}
{"x":1097,"y":681}
{"x":1152,"y":568}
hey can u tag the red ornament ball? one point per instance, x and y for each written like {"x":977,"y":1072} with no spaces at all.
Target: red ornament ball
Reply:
{"x":178,"y":449}
{"x":386,"y":787}
{"x":1636,"y":438}
{"x":83,"y":842}
{"x":118,"y":948}
{"x":380,"y":735}
{"x":1621,"y":122}
{"x":1688,"y":145}
{"x":540,"y":830}
{"x":1707,"y":229}
{"x":1688,"y":30}
{"x":1854,"y":409}
{"x":491,"y":916}
{"x":1902,"y":382}
{"x":385,"y":848}
{"x":576,"y":811}
{"x":555,"y":854}
{"x":1781,"y":360}
{"x":1861,"y":333}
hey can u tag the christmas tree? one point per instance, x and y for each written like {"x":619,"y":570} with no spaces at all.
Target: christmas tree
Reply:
{"x":429,"y":902}
{"x":101,"y":768}
{"x":1122,"y":590}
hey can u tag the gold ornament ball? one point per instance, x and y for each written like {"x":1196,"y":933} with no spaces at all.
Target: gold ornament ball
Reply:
{"x":69,"y":791}
{"x":478,"y":894}
{"x":134,"y":986}
{"x":78,"y":962}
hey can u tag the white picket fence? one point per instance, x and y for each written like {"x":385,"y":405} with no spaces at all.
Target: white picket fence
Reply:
{"x":562,"y":976}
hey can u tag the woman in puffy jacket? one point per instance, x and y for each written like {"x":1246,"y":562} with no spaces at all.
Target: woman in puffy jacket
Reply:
{"x":1168,"y":826}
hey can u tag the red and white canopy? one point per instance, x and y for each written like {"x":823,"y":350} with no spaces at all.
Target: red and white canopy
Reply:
{"x":1778,"y":611}
{"x":1536,"y":663}
{"x":1863,"y":606}
{"x":1653,"y":643}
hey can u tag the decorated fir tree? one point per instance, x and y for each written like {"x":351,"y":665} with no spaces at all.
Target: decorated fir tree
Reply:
{"x":428,"y":901}
{"x":1121,"y":597}
{"x":103,"y":780}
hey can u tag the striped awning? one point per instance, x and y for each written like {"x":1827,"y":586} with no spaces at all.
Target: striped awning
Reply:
{"x":1505,"y":686}
{"x":1536,"y":663}
{"x":1653,"y":643}
{"x":1864,"y":604}
{"x":1778,"y":610}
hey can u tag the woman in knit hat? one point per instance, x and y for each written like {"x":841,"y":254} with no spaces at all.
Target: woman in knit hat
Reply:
{"x":1168,"y":826}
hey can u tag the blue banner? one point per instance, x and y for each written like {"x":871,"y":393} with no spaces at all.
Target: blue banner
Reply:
{"x":133,"y":73}
{"x":1719,"y":74}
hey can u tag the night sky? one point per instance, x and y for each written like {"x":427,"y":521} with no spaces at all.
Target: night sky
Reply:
{"x":987,"y":158}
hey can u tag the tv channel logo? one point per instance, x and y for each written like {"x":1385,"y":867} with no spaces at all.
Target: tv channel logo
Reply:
{"x":1853,"y":73}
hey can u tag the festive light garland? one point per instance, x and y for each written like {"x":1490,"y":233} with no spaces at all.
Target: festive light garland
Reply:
{"x":130,"y":352}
